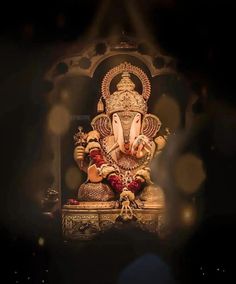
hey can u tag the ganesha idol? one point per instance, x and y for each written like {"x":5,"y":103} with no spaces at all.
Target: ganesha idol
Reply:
{"x":116,"y":154}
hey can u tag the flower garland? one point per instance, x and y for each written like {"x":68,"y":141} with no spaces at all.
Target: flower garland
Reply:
{"x":114,"y":180}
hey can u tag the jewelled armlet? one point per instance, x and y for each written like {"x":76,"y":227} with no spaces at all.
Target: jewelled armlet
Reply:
{"x":92,"y":145}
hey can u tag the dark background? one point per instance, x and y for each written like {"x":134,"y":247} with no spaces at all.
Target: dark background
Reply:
{"x":200,"y":35}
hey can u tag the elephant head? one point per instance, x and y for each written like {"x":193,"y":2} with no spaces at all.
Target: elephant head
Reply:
{"x":126,"y":127}
{"x":126,"y":110}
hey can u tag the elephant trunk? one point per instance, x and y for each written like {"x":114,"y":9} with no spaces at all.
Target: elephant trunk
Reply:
{"x":126,"y":139}
{"x":126,"y":127}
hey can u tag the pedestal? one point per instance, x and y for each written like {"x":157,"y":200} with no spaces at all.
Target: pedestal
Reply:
{"x":86,"y":220}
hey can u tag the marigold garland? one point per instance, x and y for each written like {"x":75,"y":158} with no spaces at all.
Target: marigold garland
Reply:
{"x":113,"y":179}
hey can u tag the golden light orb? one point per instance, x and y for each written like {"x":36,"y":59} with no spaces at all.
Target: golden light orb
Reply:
{"x":168,"y":111}
{"x":59,"y":119}
{"x":188,"y":214}
{"x":64,"y":95}
{"x":73,"y":177}
{"x":189,"y":173}
{"x":41,"y":241}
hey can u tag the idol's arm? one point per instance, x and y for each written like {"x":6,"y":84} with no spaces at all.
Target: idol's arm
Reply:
{"x":81,"y":158}
{"x":160,"y":142}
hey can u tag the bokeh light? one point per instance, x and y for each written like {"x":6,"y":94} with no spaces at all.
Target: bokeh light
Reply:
{"x":168,"y":111}
{"x":73,"y":178}
{"x":189,"y":173}
{"x":64,"y":95}
{"x":41,"y":241}
{"x":188,"y":214}
{"x":59,"y":119}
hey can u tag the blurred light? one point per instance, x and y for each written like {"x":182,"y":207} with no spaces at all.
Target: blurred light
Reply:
{"x":64,"y":95}
{"x":41,"y":241}
{"x":73,"y":177}
{"x":189,"y":173}
{"x":167,"y":109}
{"x":188,"y":215}
{"x":59,"y":119}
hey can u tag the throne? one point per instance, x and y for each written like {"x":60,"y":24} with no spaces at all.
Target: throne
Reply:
{"x":116,"y":157}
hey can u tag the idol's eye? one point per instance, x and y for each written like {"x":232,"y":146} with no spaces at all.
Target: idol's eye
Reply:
{"x":137,"y":121}
{"x":115,"y":121}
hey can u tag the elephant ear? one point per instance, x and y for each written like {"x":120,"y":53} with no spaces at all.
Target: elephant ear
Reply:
{"x":151,"y":125}
{"x":102,"y":124}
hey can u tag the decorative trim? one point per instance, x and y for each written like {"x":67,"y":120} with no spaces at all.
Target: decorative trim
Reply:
{"x":105,"y":88}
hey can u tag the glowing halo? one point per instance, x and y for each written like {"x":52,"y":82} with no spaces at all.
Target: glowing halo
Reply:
{"x":128,"y":67}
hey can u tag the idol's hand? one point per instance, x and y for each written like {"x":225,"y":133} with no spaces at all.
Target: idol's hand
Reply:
{"x":141,"y":146}
{"x":160,"y":142}
{"x":79,"y":153}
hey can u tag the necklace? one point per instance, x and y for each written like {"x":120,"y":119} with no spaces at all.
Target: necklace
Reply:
{"x":125,"y":162}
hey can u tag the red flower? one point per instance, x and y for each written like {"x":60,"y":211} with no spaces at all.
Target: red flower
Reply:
{"x":115,"y":182}
{"x":72,"y":201}
{"x":135,"y":185}
{"x":97,"y":158}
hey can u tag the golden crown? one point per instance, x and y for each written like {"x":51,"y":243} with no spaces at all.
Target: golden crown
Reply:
{"x":126,"y":98}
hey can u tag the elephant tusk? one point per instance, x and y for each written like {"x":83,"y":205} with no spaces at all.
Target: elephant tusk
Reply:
{"x":115,"y":146}
{"x":147,"y":150}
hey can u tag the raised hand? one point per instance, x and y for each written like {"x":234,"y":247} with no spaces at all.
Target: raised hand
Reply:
{"x":141,"y":146}
{"x":79,"y":153}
